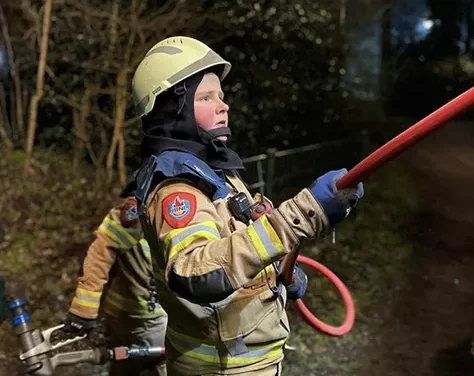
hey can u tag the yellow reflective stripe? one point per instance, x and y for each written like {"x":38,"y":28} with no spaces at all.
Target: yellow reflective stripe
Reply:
{"x":177,"y":240}
{"x":87,"y":298}
{"x":267,"y":271}
{"x":194,"y":348}
{"x":92,"y":294}
{"x":139,"y":306}
{"x":117,"y":233}
{"x":145,"y":248}
{"x":85,"y":303}
{"x":114,"y":308}
{"x":265,"y":240}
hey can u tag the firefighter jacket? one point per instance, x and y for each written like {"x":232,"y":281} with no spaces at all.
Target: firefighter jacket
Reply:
{"x":117,"y":274}
{"x":216,"y":276}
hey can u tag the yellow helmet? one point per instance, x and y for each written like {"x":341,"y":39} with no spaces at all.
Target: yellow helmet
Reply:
{"x":168,"y":63}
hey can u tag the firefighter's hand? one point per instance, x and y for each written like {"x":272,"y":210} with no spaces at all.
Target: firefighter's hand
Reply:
{"x":337,"y":204}
{"x":298,"y":288}
{"x":76,"y":324}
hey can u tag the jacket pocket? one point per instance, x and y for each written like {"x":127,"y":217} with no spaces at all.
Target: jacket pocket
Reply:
{"x":245,"y":312}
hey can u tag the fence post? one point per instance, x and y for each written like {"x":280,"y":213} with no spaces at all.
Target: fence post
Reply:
{"x":270,"y":172}
{"x":261,"y":177}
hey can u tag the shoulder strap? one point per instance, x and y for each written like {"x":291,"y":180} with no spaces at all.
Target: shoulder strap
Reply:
{"x":239,"y":185}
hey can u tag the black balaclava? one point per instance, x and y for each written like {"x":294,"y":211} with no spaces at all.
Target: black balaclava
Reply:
{"x":171,"y":125}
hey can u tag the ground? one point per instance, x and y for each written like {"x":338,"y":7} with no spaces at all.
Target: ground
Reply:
{"x":415,"y":312}
{"x":428,"y":330}
{"x":406,"y":257}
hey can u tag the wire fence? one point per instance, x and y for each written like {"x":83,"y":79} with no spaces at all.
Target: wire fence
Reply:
{"x":281,"y":173}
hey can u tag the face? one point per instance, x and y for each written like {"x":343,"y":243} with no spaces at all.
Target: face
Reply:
{"x":210,"y":110}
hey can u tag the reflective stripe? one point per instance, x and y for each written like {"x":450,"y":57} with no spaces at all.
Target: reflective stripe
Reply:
{"x":269,"y":270}
{"x":266,"y":241}
{"x":145,"y":248}
{"x":194,"y":348}
{"x":117,"y":233}
{"x":138,"y":307}
{"x":88,"y":294}
{"x":85,"y":303}
{"x":177,"y":240}
{"x":86,"y":298}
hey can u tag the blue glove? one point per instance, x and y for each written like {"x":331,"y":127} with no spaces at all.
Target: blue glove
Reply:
{"x":298,"y":288}
{"x":336,"y":204}
{"x":76,"y":324}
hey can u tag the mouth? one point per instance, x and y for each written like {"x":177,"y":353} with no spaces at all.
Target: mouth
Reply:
{"x":222,"y":123}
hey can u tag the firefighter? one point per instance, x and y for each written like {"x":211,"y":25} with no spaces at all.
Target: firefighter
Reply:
{"x":117,"y":277}
{"x":218,"y":251}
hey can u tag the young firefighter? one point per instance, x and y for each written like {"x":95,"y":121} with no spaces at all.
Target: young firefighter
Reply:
{"x":120,"y":258}
{"x":217,"y":251}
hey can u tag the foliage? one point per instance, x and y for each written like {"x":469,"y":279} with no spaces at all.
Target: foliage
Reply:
{"x":287,"y":84}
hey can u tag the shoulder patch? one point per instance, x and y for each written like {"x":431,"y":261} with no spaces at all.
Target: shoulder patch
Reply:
{"x":179,"y":209}
{"x":129,"y":213}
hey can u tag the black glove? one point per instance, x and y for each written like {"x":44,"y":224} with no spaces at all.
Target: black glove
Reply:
{"x":300,"y":283}
{"x":76,"y":324}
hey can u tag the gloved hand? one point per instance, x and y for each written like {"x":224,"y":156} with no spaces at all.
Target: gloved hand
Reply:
{"x":298,"y":288}
{"x":76,"y":324}
{"x":337,"y":204}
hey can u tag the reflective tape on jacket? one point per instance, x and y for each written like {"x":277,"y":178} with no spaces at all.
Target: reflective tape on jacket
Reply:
{"x":268,"y":271}
{"x":86,"y":298}
{"x":196,"y":349}
{"x":265,"y":240}
{"x":145,"y":248}
{"x":177,"y":240}
{"x":117,"y":233}
{"x":115,"y":303}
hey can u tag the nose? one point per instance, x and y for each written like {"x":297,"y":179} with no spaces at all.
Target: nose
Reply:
{"x":222,"y":107}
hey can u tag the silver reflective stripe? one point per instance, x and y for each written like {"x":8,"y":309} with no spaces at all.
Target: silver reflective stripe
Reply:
{"x":266,"y":241}
{"x":210,"y":354}
{"x":210,"y":59}
{"x":109,"y":226}
{"x":141,"y":106}
{"x":169,"y":50}
{"x":175,"y":240}
{"x":145,"y":248}
{"x":87,"y":298}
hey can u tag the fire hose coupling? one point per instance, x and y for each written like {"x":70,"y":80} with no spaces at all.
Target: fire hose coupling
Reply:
{"x":20,"y":313}
{"x":135,"y":352}
{"x":37,"y":349}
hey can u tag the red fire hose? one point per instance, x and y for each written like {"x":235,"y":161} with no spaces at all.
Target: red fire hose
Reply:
{"x":362,"y":170}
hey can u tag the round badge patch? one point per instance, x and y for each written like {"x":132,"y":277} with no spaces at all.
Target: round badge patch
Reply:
{"x":179,"y":209}
{"x":129,"y":213}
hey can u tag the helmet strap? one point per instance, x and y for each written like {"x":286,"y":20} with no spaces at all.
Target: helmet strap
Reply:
{"x":218,"y":132}
{"x":180,"y":91}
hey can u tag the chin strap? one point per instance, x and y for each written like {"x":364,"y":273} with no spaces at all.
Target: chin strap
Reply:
{"x":221,"y":131}
{"x":210,"y":136}
{"x":180,"y":91}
